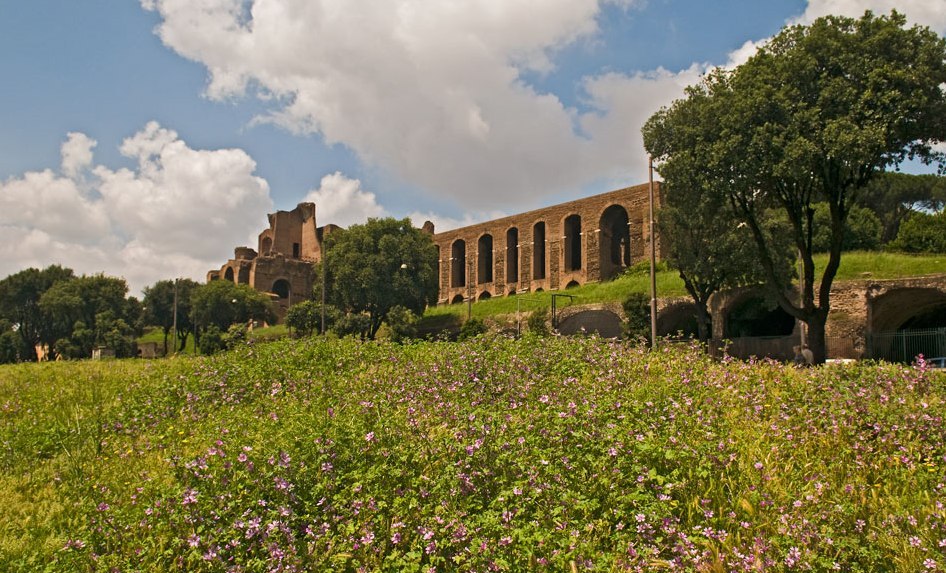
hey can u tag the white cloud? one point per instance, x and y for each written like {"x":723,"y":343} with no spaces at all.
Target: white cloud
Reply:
{"x":180,"y":213}
{"x":432,"y":92}
{"x":341,"y":201}
{"x":930,"y":13}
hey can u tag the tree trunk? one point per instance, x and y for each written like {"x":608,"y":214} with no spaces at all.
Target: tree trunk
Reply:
{"x":816,"y":336}
{"x":703,"y":322}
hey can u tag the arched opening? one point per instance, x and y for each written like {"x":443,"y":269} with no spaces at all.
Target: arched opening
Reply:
{"x":281,"y":288}
{"x":907,"y":322}
{"x":614,"y":242}
{"x":512,"y":255}
{"x":439,"y":277}
{"x":572,"y":240}
{"x":484,"y":259}
{"x":540,"y":289}
{"x":572,"y":284}
{"x":457,"y":299}
{"x":604,"y":323}
{"x":266,"y":246}
{"x":228,"y":274}
{"x":756,"y":316}
{"x":538,"y":251}
{"x":458,"y":264}
{"x":485,"y":295}
{"x":511,"y":292}
{"x":679,"y":322}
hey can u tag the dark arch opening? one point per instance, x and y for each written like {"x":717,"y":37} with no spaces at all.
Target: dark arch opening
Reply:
{"x":572,"y":239}
{"x":439,"y":277}
{"x":538,"y":251}
{"x":266,"y":246}
{"x":485,"y":295}
{"x":678,"y":322}
{"x":908,"y":309}
{"x":512,"y":292}
{"x":614,"y":242}
{"x":572,"y":284}
{"x":484,"y":259}
{"x":228,"y":274}
{"x":457,"y":299}
{"x":281,"y":288}
{"x":458,"y":264}
{"x":756,"y":316}
{"x":512,"y":255}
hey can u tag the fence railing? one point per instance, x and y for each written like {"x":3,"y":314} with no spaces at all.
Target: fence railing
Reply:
{"x":782,"y":347}
{"x":906,"y":345}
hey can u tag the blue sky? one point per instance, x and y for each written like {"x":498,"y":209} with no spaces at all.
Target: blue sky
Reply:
{"x":147,"y":139}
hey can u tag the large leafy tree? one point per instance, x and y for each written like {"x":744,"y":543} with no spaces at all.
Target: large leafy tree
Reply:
{"x":378,"y":265}
{"x":159,"y":303}
{"x":814,"y":116}
{"x":894,"y":197}
{"x":222,"y":303}
{"x":20,"y":294}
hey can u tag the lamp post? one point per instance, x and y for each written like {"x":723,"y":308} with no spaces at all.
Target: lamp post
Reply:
{"x":324,"y":272}
{"x":174,"y":320}
{"x":653,"y":260}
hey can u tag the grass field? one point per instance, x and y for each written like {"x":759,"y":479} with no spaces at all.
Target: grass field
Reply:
{"x":491,"y":455}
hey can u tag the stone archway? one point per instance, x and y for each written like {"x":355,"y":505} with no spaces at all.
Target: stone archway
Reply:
{"x":603,"y":322}
{"x":614,"y":242}
{"x":678,"y":321}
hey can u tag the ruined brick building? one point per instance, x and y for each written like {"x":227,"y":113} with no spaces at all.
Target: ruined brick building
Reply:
{"x":570,"y":244}
{"x":282,"y":265}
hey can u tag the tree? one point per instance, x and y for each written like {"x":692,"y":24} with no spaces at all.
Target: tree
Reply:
{"x":223,"y":303}
{"x":306,"y":317}
{"x":862,"y":229}
{"x":88,"y":311}
{"x":380,"y":264}
{"x":922,"y":233}
{"x":19,"y":303}
{"x":708,"y":246}
{"x":814,"y":116}
{"x":159,"y":301}
{"x":893,"y":197}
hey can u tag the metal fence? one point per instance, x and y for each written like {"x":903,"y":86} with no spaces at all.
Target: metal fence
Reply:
{"x":782,"y":347}
{"x":906,"y":345}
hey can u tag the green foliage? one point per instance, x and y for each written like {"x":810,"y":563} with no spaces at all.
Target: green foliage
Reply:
{"x":472,"y":328}
{"x":636,"y":316}
{"x":211,"y":340}
{"x":893,"y":197}
{"x":159,"y":302}
{"x":538,"y":321}
{"x":356,"y":325}
{"x":379,"y":265}
{"x":20,"y":294}
{"x":306,"y":317}
{"x":222,"y":303}
{"x":862,"y":230}
{"x":402,"y":324}
{"x":922,"y":233}
{"x":812,"y":117}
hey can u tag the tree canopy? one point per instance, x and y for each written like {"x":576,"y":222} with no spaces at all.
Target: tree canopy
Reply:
{"x":814,"y":116}
{"x":222,"y":303}
{"x":378,"y":265}
{"x":20,"y":294}
{"x":159,"y":302}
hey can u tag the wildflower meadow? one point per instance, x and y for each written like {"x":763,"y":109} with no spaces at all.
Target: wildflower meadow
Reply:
{"x":539,"y":454}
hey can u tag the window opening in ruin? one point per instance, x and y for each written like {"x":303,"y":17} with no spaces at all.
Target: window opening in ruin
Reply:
{"x":458,"y":264}
{"x":614,"y":242}
{"x":484,"y":259}
{"x":266,"y":246}
{"x":295,"y":250}
{"x":512,"y":255}
{"x":228,"y":274}
{"x":538,"y":251}
{"x":281,"y":288}
{"x":572,"y":243}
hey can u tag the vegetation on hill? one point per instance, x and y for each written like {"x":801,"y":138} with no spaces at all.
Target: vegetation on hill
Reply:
{"x":494,"y":454}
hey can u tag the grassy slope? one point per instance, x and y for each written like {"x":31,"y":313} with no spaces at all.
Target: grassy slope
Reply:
{"x":504,"y":454}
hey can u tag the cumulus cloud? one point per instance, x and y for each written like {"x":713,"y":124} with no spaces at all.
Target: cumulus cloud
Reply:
{"x":179,"y":213}
{"x":431,"y":92}
{"x":930,"y":13}
{"x":341,"y":201}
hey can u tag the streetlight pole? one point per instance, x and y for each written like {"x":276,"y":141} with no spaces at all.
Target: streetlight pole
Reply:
{"x":174,"y":320}
{"x":653,"y":260}
{"x":324,"y":282}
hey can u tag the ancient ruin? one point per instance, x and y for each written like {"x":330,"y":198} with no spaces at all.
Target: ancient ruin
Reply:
{"x":283,"y":264}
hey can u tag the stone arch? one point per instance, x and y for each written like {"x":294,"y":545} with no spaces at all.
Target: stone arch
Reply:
{"x":678,"y":321}
{"x":604,"y":323}
{"x":538,"y":251}
{"x":511,"y":292}
{"x":908,"y":309}
{"x":753,"y":315}
{"x":484,"y":259}
{"x":572,"y":284}
{"x":458,"y":264}
{"x":456,"y":299}
{"x":571,"y":233}
{"x":614,"y":242}
{"x":266,"y":245}
{"x":282,"y":289}
{"x":485,"y":295}
{"x":512,"y":255}
{"x":228,"y":274}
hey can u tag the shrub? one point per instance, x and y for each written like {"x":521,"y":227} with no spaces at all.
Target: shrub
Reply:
{"x":539,"y":322}
{"x":353,"y":324}
{"x":922,"y":233}
{"x":211,"y":340}
{"x":306,"y":317}
{"x":402,"y":324}
{"x":472,"y":328}
{"x":637,"y":316}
